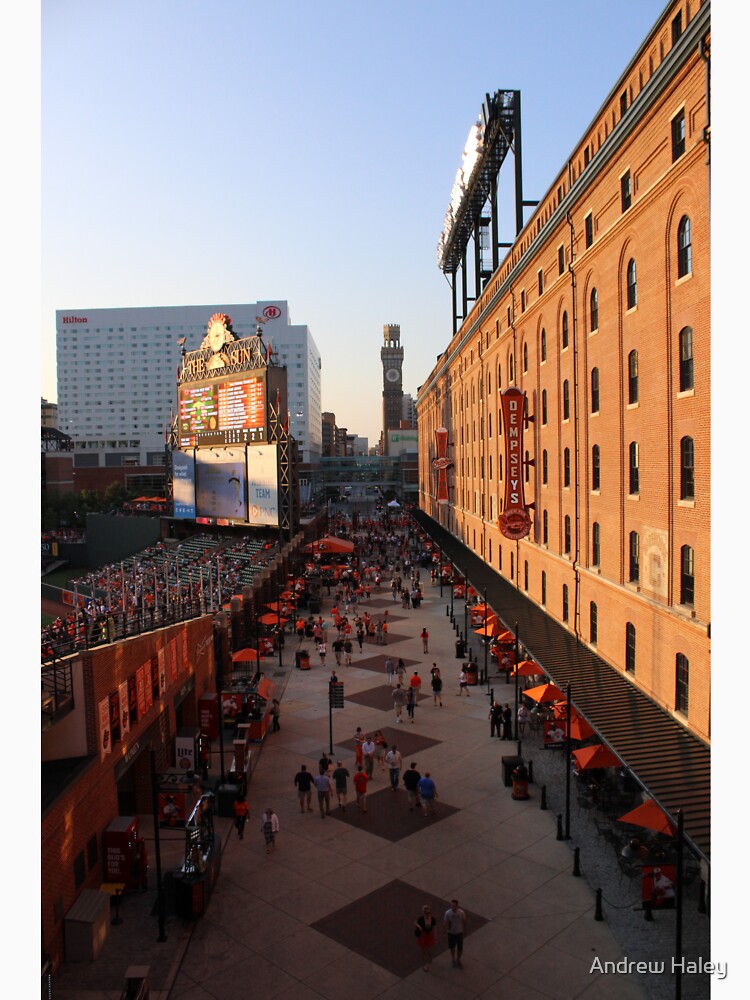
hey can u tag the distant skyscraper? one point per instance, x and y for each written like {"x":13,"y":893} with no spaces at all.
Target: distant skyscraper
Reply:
{"x":117,"y":375}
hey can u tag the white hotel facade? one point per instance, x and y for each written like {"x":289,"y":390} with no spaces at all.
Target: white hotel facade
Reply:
{"x":117,"y":376}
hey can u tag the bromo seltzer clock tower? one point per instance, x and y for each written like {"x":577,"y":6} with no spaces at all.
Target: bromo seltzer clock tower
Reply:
{"x":392,"y":357}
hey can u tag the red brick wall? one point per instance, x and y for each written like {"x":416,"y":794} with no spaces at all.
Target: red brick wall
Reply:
{"x":87,"y":807}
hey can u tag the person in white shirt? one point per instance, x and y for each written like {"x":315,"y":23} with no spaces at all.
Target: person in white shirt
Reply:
{"x":393,"y":760}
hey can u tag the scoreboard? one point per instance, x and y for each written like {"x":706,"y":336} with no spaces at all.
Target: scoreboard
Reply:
{"x":228,"y":411}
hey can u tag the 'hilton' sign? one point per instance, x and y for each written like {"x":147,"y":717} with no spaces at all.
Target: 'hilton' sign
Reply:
{"x":515,"y":521}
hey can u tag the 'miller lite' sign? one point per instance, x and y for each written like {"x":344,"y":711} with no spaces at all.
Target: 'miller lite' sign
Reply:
{"x":515,"y":521}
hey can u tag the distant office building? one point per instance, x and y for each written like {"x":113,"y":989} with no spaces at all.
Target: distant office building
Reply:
{"x":117,"y":376}
{"x":49,"y":414}
{"x":408,"y":411}
{"x":328,"y":440}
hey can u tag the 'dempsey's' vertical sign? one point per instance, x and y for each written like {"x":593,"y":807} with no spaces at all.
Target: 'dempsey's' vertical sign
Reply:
{"x":441,"y":464}
{"x":515,"y":521}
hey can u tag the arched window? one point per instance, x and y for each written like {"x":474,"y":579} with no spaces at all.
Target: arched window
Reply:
{"x":596,"y":541}
{"x":634,"y":562}
{"x":681,"y":683}
{"x":684,"y":248}
{"x":544,"y":587}
{"x":594,"y":390}
{"x":499,"y":377}
{"x":686,"y":359}
{"x":632,"y":294}
{"x":687,"y":576}
{"x":630,"y":648}
{"x":566,"y":539}
{"x":511,"y":370}
{"x":687,"y":469}
{"x":566,"y":467}
{"x":544,"y":406}
{"x":565,"y":602}
{"x":545,"y":528}
{"x":544,"y":467}
{"x":565,"y":330}
{"x":543,"y":348}
{"x":595,"y":467}
{"x":489,"y":382}
{"x":566,"y":400}
{"x":633,"y":377}
{"x":633,"y":478}
{"x":525,"y":357}
{"x":593,"y":624}
{"x":593,"y":311}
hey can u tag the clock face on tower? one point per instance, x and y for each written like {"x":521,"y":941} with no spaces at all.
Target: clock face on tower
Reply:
{"x":392,"y":375}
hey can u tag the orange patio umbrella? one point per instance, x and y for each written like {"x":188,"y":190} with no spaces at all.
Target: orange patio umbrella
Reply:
{"x":491,"y":629}
{"x":598,"y":756}
{"x":245,"y":655}
{"x":650,"y":817}
{"x":272,"y":619}
{"x":545,"y":692}
{"x":527,"y":668}
{"x":482,"y":609}
{"x":580,"y":729}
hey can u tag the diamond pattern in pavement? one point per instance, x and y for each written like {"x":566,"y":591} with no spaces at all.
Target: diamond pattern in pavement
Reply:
{"x":388,"y":814}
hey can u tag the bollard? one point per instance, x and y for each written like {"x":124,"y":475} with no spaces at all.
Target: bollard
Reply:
{"x":598,"y":915}
{"x":531,"y":770}
{"x":559,"y":827}
{"x":543,"y":804}
{"x":577,"y":862}
{"x":447,"y":610}
{"x":519,"y":744}
{"x":647,"y":911}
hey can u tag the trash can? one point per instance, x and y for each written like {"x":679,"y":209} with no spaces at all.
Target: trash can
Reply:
{"x":471,"y":673}
{"x":509,"y":766}
{"x":520,"y":782}
{"x":460,"y":649}
{"x":314,"y":606}
{"x":304,"y":659}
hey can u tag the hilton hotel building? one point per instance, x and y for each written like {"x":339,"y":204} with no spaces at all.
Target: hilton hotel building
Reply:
{"x":117,"y":376}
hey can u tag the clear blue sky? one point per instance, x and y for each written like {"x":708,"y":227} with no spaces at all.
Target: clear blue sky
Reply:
{"x":236,"y":151}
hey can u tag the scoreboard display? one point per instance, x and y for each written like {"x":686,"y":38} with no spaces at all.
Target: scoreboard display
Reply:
{"x":228,"y":411}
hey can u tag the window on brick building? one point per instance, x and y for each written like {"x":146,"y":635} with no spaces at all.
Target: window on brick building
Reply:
{"x":686,"y":359}
{"x":565,"y":330}
{"x":588,"y":223}
{"x":545,"y":467}
{"x":595,"y":467}
{"x":633,"y":471}
{"x":678,"y":135}
{"x":511,"y":369}
{"x":545,"y":528}
{"x":596,"y":543}
{"x":676,"y":27}
{"x":523,"y":301}
{"x":525,"y":357}
{"x":684,"y":248}
{"x":566,"y":400}
{"x":79,"y":869}
{"x":544,"y":407}
{"x":561,"y":260}
{"x":566,"y":535}
{"x":630,"y":648}
{"x":594,"y":390}
{"x":544,"y":587}
{"x":687,"y":576}
{"x":544,"y":345}
{"x":566,"y":467}
{"x":634,"y":557}
{"x":681,"y":683}
{"x":687,"y":469}
{"x":540,"y":281}
{"x":626,"y":192}
{"x":565,"y":602}
{"x":632,"y":283}
{"x":633,"y":377}
{"x":593,"y":310}
{"x":593,"y":623}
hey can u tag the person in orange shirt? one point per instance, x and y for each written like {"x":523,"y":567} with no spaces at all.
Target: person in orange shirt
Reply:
{"x":415,"y":681}
{"x":241,"y":812}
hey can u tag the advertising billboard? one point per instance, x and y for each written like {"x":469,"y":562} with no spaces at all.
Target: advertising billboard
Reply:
{"x":224,"y":411}
{"x":220,"y":487}
{"x":263,"y":485}
{"x":183,"y":483}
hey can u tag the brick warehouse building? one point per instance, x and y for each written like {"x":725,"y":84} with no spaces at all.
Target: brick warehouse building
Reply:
{"x":86,"y":785}
{"x":600,"y":312}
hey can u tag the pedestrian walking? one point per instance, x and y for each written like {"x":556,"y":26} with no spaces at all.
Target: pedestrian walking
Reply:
{"x":339,"y":780}
{"x":380,"y":748}
{"x":523,"y":718}
{"x":323,"y":786}
{"x":275,"y":712}
{"x":400,"y":671}
{"x":427,"y":793}
{"x":359,"y":739}
{"x":399,"y":700}
{"x":393,"y":760}
{"x":360,"y":788}
{"x":338,"y":646}
{"x":425,"y":932}
{"x":347,"y":652}
{"x":389,"y":670}
{"x":269,"y":825}
{"x":322,"y":649}
{"x":411,"y":702}
{"x":304,"y":782}
{"x":360,"y":637}
{"x":368,"y":755}
{"x":463,"y":684}
{"x":411,"y":780}
{"x":241,"y":812}
{"x":496,"y":719}
{"x":415,"y":681}
{"x":424,"y":635}
{"x":455,"y":922}
{"x":437,"y":687}
{"x":507,"y":723}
